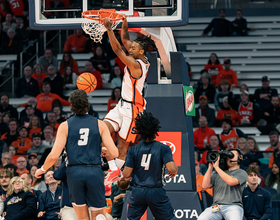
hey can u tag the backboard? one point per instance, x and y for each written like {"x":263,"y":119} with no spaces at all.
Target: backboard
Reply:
{"x":66,"y":14}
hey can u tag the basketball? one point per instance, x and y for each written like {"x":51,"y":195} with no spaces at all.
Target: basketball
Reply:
{"x":87,"y":82}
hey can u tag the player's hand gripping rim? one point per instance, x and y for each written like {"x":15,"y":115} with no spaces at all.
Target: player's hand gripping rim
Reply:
{"x":108,"y":23}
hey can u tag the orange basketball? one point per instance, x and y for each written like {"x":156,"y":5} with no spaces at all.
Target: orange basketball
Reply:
{"x":87,"y":82}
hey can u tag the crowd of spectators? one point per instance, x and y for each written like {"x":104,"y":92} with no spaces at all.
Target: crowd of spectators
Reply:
{"x":221,"y":27}
{"x":26,"y":137}
{"x":218,"y":105}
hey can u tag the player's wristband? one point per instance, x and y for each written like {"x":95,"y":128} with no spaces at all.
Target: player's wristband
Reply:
{"x":43,"y":169}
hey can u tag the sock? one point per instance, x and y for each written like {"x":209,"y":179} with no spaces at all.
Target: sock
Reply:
{"x":112,"y":165}
{"x":119,"y":163}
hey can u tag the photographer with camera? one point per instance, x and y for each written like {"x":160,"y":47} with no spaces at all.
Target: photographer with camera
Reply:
{"x":228,"y":183}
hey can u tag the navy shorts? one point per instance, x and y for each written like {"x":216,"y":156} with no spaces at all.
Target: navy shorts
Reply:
{"x":154,"y":198}
{"x":86,"y":185}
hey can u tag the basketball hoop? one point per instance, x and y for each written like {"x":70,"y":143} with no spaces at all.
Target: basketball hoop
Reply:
{"x":93,"y":22}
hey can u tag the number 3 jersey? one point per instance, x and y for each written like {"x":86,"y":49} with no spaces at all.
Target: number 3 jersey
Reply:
{"x":83,"y":145}
{"x":148,"y":161}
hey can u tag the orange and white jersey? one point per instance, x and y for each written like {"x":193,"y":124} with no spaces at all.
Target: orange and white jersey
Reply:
{"x":245,"y":113}
{"x":132,"y":87}
{"x":229,"y":140}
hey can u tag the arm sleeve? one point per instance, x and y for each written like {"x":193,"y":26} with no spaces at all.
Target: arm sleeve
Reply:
{"x":240,"y":133}
{"x":130,"y":159}
{"x":241,"y":176}
{"x":209,"y":27}
{"x":60,"y":172}
{"x":268,"y":207}
{"x":167,"y":154}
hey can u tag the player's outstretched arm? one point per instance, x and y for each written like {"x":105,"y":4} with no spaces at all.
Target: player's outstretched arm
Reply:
{"x":124,"y":33}
{"x":58,"y":146}
{"x":172,"y":169}
{"x":129,"y":61}
{"x":107,"y":140}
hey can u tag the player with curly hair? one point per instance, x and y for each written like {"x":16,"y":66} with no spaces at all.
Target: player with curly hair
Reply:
{"x":147,"y":161}
{"x":81,"y":135}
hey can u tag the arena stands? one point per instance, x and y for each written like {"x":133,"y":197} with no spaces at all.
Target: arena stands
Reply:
{"x":252,"y":57}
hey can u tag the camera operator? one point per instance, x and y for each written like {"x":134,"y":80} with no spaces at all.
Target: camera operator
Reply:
{"x":228,"y":187}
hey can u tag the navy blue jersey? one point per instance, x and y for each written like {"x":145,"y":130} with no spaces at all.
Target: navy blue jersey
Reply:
{"x":83,"y":145}
{"x":147,"y":160}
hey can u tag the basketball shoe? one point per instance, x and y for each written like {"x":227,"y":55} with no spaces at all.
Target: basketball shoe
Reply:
{"x":112,"y":176}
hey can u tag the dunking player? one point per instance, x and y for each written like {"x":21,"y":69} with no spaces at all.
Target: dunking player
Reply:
{"x":121,"y":119}
{"x":81,"y":135}
{"x":147,"y":160}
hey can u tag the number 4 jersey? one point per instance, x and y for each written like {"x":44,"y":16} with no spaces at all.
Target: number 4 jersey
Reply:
{"x":83,"y":145}
{"x":147,"y":160}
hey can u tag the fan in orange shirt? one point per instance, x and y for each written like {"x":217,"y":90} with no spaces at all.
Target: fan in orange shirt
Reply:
{"x":202,"y":134}
{"x":213,"y":67}
{"x":115,"y":97}
{"x":199,"y":179}
{"x":227,"y":112}
{"x":39,"y":75}
{"x":67,"y":60}
{"x":34,"y":126}
{"x":45,"y":99}
{"x":23,"y":143}
{"x":76,"y":42}
{"x":227,"y":74}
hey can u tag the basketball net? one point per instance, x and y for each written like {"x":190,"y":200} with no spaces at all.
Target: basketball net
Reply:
{"x":93,"y":22}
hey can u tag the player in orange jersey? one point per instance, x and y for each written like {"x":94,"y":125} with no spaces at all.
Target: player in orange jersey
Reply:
{"x":121,"y":119}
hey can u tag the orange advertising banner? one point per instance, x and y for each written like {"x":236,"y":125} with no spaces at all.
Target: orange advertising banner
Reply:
{"x":174,"y":141}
